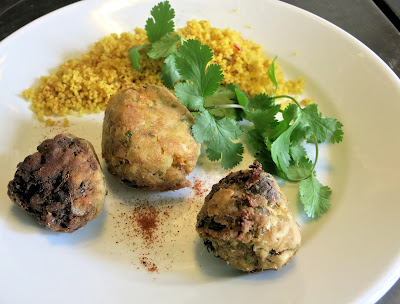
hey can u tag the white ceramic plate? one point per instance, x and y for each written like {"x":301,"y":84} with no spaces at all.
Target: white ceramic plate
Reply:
{"x":351,"y":254}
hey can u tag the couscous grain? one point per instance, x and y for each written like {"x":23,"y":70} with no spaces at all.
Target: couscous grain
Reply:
{"x":84,"y":85}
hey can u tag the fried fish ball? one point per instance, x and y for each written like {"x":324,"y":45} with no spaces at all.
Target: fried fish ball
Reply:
{"x":146,"y":140}
{"x":245,"y":221}
{"x":61,"y":185}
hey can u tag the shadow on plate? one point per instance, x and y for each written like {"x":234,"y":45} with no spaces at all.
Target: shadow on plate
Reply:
{"x":25,"y":223}
{"x":92,"y":231}
{"x":212,"y":266}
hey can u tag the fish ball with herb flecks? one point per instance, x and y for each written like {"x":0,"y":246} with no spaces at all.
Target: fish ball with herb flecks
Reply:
{"x":146,"y":140}
{"x":245,"y":221}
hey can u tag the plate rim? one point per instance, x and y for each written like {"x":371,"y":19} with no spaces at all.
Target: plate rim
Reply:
{"x":392,"y":277}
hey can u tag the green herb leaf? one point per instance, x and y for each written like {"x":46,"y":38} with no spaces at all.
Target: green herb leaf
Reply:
{"x":260,"y":102}
{"x":191,"y":63}
{"x":203,"y":82}
{"x":271,"y":74}
{"x":334,"y":127}
{"x":231,"y":154}
{"x":300,"y":170}
{"x":218,"y":134}
{"x":281,"y":147}
{"x":213,"y":155}
{"x":227,"y":130}
{"x":128,"y":134}
{"x":189,"y":96}
{"x":301,"y":134}
{"x":297,"y":152}
{"x":242,"y":98}
{"x":162,"y":21}
{"x":204,"y":127}
{"x":289,"y":114}
{"x":264,"y":157}
{"x":255,"y":140}
{"x":163,"y":47}
{"x":314,"y":196}
{"x":134,"y":55}
{"x":324,"y":128}
{"x":222,"y":96}
{"x":264,"y":120}
{"x":169,"y":75}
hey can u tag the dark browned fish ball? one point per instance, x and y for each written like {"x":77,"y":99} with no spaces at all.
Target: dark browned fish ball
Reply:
{"x":62,"y":185}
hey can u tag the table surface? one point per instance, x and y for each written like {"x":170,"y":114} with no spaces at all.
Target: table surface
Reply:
{"x":375,"y":23}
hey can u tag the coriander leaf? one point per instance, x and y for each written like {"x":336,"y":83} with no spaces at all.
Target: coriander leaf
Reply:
{"x":264,"y":120}
{"x":188,"y":95}
{"x":268,"y":142}
{"x":336,"y":136}
{"x":231,"y":152}
{"x":163,"y":47}
{"x":218,"y":134}
{"x":204,"y":127}
{"x":161,"y":23}
{"x":314,"y":196}
{"x":271,"y":74}
{"x":231,"y":86}
{"x":228,"y":128}
{"x":191,"y":63}
{"x":169,"y":75}
{"x":192,"y":60}
{"x":261,"y":153}
{"x":289,"y":114}
{"x":281,"y":146}
{"x":300,"y":170}
{"x":323,"y":128}
{"x":212,"y":79}
{"x":301,"y":134}
{"x":208,"y":128}
{"x":213,"y":155}
{"x":222,"y":96}
{"x":134,"y":55}
{"x":241,"y":97}
{"x":260,"y":101}
{"x":265,"y":159}
{"x":255,"y":140}
{"x":297,"y":152}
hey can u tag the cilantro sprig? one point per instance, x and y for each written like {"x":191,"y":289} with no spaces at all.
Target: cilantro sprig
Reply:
{"x":202,"y":80}
{"x":163,"y":42}
{"x":279,"y":144}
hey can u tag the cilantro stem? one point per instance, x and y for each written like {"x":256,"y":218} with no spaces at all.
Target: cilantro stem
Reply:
{"x":313,"y":135}
{"x":287,"y":96}
{"x":226,"y":106}
{"x":271,"y":75}
{"x":316,"y":153}
{"x":182,"y":40}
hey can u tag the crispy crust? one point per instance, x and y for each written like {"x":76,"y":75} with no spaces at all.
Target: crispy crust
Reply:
{"x":61,"y":185}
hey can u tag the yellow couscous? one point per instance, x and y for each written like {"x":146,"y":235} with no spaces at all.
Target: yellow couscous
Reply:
{"x":84,"y":85}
